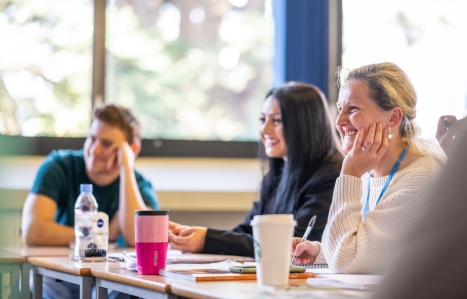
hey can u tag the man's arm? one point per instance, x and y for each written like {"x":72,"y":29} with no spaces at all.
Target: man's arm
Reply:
{"x":130,"y":196}
{"x":38,"y":225}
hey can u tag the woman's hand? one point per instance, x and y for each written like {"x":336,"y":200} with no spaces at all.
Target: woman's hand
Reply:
{"x":366,"y":154}
{"x":305,"y":252}
{"x":188,"y":238}
{"x":175,"y":227}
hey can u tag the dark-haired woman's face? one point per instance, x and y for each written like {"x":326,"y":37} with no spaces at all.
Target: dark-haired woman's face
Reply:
{"x":271,"y":132}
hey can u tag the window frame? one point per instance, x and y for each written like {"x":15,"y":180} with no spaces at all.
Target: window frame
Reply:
{"x":320,"y":51}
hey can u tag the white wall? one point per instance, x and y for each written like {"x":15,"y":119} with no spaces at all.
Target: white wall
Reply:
{"x":206,"y":192}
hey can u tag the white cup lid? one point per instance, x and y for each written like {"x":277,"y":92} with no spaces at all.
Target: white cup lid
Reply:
{"x":273,"y":219}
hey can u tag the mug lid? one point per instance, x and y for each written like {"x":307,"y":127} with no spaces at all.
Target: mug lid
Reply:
{"x":273,"y":219}
{"x":151,"y":212}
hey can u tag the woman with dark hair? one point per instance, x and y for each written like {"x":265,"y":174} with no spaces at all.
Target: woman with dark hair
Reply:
{"x":304,"y":161}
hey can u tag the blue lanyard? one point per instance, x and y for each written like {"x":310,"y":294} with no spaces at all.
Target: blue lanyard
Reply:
{"x":393,"y":171}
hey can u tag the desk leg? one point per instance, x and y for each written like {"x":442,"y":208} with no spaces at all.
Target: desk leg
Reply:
{"x":85,"y":288}
{"x":37,"y":287}
{"x":14,"y":281}
{"x":102,"y":293}
{"x":25,"y":292}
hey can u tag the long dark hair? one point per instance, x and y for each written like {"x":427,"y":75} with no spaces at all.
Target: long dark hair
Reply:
{"x":310,"y":137}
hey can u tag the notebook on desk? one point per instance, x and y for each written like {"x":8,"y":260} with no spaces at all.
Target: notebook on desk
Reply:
{"x":219,"y":274}
{"x":317,"y":268}
{"x":215,"y":271}
{"x":312,"y":266}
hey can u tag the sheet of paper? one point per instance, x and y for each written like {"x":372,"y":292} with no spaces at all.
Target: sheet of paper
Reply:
{"x":224,"y":265}
{"x":345,"y":281}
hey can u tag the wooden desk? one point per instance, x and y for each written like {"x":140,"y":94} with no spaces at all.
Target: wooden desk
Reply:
{"x":247,"y":289}
{"x":130,"y":282}
{"x":105,"y":275}
{"x":28,"y":252}
{"x":10,"y":263}
{"x":61,"y":268}
{"x":38,"y":251}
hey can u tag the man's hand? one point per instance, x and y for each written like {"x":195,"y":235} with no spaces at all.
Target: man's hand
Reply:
{"x":121,"y":155}
{"x":189,"y":238}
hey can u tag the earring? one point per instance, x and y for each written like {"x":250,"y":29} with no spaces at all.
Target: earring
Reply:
{"x":390,"y":134}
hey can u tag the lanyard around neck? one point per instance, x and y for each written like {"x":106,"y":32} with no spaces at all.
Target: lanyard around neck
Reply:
{"x":393,"y":171}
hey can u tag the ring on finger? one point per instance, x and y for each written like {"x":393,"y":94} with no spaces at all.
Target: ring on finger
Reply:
{"x":365,"y":149}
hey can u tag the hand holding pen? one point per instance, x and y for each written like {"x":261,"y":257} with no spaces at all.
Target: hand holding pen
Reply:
{"x":305,"y":235}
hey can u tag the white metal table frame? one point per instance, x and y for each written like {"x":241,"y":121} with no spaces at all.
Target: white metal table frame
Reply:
{"x":25,"y":292}
{"x":85,"y":282}
{"x":14,"y":270}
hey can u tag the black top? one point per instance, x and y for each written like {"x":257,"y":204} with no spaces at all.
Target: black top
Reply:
{"x":313,"y":199}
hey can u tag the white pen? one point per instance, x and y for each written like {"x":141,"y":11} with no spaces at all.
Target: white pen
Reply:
{"x":305,"y":235}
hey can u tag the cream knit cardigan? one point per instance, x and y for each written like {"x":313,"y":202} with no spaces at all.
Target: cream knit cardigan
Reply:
{"x":351,"y":246}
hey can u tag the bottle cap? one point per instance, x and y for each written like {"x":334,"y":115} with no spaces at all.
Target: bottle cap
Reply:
{"x":85,"y":187}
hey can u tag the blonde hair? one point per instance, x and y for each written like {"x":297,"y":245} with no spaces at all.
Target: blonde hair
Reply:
{"x":389,"y":87}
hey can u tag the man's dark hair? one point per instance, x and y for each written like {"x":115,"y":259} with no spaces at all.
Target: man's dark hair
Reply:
{"x":120,"y":117}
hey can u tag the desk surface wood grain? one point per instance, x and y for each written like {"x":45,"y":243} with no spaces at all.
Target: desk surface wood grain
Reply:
{"x":9,"y":258}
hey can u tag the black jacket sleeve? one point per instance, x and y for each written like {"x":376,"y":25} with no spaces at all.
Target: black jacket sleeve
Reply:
{"x":238,"y":241}
{"x":314,"y":198}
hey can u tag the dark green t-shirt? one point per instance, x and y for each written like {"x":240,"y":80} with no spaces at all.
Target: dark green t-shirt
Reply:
{"x":60,"y":175}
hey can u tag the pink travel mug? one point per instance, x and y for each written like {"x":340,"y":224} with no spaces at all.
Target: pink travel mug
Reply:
{"x":151,"y":238}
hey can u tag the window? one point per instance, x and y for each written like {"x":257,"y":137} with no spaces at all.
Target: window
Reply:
{"x":190,"y":70}
{"x":45,"y":67}
{"x":233,"y":55}
{"x":426,"y":38}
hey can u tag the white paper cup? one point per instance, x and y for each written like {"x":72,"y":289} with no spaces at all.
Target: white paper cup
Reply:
{"x":272,"y":238}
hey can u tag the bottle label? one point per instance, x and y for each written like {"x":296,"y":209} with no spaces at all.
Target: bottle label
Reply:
{"x":83,"y":220}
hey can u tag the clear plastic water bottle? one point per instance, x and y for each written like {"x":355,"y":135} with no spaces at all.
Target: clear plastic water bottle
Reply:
{"x":85,"y":208}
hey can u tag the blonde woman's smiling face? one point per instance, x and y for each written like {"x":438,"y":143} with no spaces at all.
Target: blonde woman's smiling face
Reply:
{"x":356,"y":111}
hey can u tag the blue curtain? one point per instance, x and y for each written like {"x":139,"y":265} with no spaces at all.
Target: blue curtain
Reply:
{"x":301,"y":42}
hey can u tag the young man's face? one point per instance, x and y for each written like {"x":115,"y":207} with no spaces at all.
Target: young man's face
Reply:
{"x":101,"y":148}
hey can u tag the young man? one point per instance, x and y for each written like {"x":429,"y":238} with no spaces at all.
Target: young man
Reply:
{"x":106,"y":162}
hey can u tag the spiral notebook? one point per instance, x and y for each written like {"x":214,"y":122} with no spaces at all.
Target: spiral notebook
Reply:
{"x":313,"y":266}
{"x":317,"y":268}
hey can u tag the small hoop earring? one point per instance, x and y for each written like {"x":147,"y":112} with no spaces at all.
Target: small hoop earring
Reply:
{"x":390,"y":134}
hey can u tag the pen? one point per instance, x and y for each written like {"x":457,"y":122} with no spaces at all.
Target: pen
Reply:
{"x":305,"y":235}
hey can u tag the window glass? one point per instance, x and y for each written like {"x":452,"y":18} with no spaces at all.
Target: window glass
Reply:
{"x":45,"y":67}
{"x":191,"y":70}
{"x":426,"y":38}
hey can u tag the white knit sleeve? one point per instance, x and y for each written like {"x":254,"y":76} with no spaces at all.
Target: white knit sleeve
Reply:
{"x":320,"y":259}
{"x":351,"y":246}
